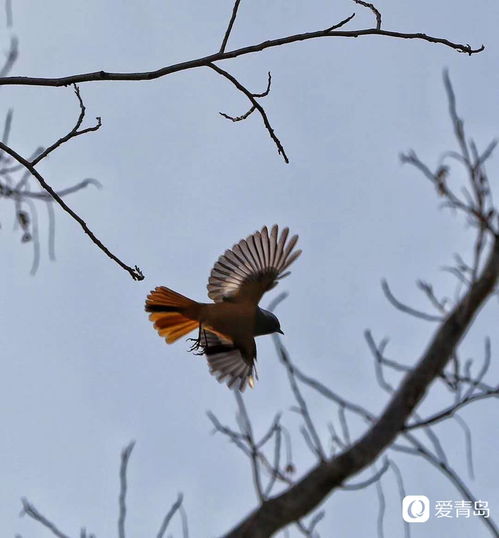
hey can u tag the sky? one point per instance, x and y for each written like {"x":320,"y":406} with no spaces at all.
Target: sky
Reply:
{"x":84,"y":373}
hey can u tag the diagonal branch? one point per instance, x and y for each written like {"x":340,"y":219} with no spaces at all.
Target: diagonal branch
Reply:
{"x":255,"y":105}
{"x":308,"y":492}
{"x":135,"y":273}
{"x":166,"y":521}
{"x":11,"y":56}
{"x":419,"y":449}
{"x":229,"y":27}
{"x":33,"y":513}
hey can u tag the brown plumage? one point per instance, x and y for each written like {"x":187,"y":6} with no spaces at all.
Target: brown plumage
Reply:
{"x":227,"y":327}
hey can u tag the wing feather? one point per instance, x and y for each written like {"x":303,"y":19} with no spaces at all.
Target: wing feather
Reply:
{"x":226,"y":362}
{"x":253,"y":266}
{"x":265,"y":246}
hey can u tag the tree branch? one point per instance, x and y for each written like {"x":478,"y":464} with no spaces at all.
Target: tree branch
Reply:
{"x":135,"y":273}
{"x":73,"y":133}
{"x":125,"y":456}
{"x":255,"y":105}
{"x":101,"y":76}
{"x":229,"y":27}
{"x":307,"y":493}
{"x":376,"y":12}
{"x":30,"y":510}
{"x":166,"y":521}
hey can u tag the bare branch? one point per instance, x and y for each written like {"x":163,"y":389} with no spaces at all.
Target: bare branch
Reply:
{"x":71,"y":134}
{"x":11,"y":57}
{"x":242,"y":117}
{"x":7,"y":126}
{"x":444,"y":468}
{"x":405,"y":308}
{"x":300,"y":498}
{"x":183,"y":517}
{"x":247,"y":432}
{"x":377,"y":14}
{"x":229,"y":27}
{"x":469,"y":445}
{"x":235,"y":437}
{"x":8,"y":13}
{"x":377,"y":351}
{"x":30,"y":510}
{"x":135,"y":273}
{"x":427,"y":289}
{"x":315,"y":441}
{"x":381,"y":509}
{"x":45,"y":196}
{"x":277,"y":301}
{"x":125,"y":456}
{"x":51,"y":234}
{"x":102,"y":76}
{"x":256,"y":105}
{"x":400,"y":484}
{"x":449,"y":411}
{"x":164,"y":525}
{"x":308,"y":530}
{"x":374,"y":478}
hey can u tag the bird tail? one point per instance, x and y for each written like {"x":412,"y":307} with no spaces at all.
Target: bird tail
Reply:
{"x":173,"y":314}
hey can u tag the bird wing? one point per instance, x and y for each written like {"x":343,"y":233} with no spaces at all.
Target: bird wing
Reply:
{"x":253,"y":266}
{"x":226,"y":362}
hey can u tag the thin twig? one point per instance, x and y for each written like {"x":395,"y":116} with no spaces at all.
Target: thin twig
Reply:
{"x":30,"y":510}
{"x":247,"y":432}
{"x":377,"y":351}
{"x":469,"y":444}
{"x":401,"y":488}
{"x":310,"y":428}
{"x":125,"y":456}
{"x":135,"y":273}
{"x":8,"y":13}
{"x":374,"y":478}
{"x":381,"y":508}
{"x":449,"y":411}
{"x":51,"y":234}
{"x":404,"y":308}
{"x":11,"y":57}
{"x":443,"y":467}
{"x":257,"y":106}
{"x":185,"y":526}
{"x":376,"y":12}
{"x":164,"y":525}
{"x":71,"y":134}
{"x":45,"y":196}
{"x":229,"y":27}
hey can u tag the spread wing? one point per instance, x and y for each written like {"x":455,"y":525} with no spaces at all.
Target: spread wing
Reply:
{"x":253,"y":266}
{"x":226,"y":362}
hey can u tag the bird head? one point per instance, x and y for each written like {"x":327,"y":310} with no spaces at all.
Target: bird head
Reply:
{"x":266,"y":323}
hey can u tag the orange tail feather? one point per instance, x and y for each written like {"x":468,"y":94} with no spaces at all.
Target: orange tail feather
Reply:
{"x":173,"y":314}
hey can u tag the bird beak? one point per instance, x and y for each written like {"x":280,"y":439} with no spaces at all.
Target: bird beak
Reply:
{"x":280,"y":332}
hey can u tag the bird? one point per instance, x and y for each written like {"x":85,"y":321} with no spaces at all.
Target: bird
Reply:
{"x":227,"y":327}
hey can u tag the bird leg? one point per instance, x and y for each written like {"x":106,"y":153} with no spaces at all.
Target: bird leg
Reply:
{"x":196,"y":342}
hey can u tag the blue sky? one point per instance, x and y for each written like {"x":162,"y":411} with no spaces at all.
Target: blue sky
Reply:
{"x":83,"y":372}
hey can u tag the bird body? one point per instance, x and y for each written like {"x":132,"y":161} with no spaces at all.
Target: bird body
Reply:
{"x":227,"y":327}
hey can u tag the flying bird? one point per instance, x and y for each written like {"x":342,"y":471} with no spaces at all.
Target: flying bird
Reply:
{"x":228,"y":326}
